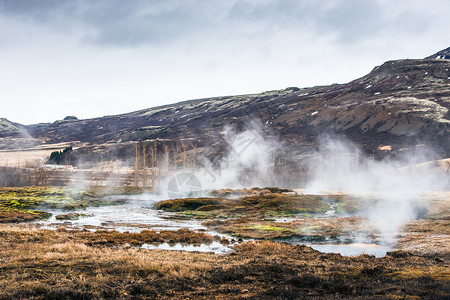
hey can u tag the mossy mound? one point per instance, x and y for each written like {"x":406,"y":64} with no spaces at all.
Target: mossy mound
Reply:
{"x":292,"y":204}
{"x":249,"y":192}
{"x":189,"y":204}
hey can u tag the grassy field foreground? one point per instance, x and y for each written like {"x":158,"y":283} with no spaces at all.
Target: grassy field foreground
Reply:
{"x":43,"y":264}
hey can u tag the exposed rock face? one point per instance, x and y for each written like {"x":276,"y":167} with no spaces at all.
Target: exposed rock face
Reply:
{"x":399,"y":103}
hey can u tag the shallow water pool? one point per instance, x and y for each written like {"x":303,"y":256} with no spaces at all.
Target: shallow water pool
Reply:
{"x":353,"y":249}
{"x":215,"y":247}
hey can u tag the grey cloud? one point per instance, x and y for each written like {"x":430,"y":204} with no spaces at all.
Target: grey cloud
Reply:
{"x":352,"y":20}
{"x":132,"y":23}
{"x":41,"y":11}
{"x":346,"y":20}
{"x":29,"y":7}
{"x":412,"y":22}
{"x":121,"y":25}
{"x":126,"y":23}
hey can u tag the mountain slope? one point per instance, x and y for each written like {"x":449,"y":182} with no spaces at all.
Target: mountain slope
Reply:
{"x":8,"y":127}
{"x":399,"y":103}
{"x":443,"y":54}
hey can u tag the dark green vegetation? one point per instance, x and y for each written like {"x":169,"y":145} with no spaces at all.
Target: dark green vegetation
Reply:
{"x":44,"y":264}
{"x":56,"y":157}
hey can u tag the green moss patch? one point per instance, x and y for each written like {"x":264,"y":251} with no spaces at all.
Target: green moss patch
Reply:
{"x":28,"y":203}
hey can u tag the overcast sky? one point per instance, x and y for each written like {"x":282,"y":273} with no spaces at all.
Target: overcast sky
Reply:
{"x":93,"y":58}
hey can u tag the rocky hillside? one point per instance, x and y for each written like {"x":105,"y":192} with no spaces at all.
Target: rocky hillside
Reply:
{"x":399,"y":103}
{"x":8,"y":128}
{"x":443,"y":54}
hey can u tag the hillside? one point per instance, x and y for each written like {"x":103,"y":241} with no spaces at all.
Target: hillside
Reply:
{"x":399,"y":103}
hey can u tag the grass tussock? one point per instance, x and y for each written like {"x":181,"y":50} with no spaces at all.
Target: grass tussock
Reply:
{"x":186,"y":204}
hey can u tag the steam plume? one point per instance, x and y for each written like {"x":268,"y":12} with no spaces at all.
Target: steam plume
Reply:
{"x":390,"y":192}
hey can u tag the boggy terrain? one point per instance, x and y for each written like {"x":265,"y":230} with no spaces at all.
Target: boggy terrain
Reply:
{"x":44,"y":264}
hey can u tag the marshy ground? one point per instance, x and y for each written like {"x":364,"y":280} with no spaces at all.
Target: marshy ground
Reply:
{"x":73,"y":262}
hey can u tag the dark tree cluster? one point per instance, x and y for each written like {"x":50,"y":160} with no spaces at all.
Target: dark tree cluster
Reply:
{"x":56,"y":157}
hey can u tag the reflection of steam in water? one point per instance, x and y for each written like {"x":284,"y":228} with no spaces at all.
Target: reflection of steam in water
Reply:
{"x":123,"y":218}
{"x":353,"y":249}
{"x":213,"y":247}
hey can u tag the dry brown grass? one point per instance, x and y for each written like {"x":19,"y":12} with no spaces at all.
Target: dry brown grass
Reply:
{"x":44,"y":264}
{"x":11,"y":215}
